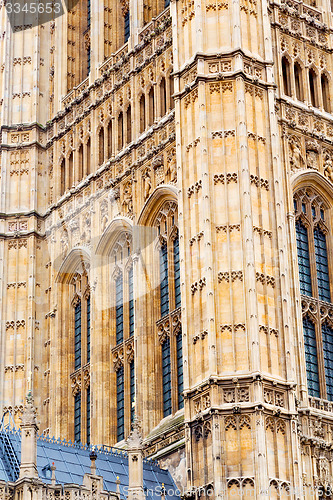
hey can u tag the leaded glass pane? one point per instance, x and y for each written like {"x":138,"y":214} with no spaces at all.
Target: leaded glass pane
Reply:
{"x":180,"y":370}
{"x":132,"y":390}
{"x":88,"y":415}
{"x":77,"y":417}
{"x":322,"y":265}
{"x":303,"y":259}
{"x":327,"y":333}
{"x":127,"y":26}
{"x":177,"y":271}
{"x":77,"y":337}
{"x":119,"y":310}
{"x":311,"y":359}
{"x":131,"y":302}
{"x":88,"y":329}
{"x":120,"y":404}
{"x":166,"y":375}
{"x":164,"y":287}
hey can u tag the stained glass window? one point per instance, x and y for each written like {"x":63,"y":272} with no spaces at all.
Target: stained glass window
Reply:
{"x":127,"y":26}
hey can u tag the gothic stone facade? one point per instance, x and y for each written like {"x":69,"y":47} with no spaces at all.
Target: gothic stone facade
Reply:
{"x":160,"y":167}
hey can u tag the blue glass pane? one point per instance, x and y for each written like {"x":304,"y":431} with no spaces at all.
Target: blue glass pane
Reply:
{"x":88,"y":415}
{"x":164,"y":287}
{"x":131,"y":302}
{"x":166,"y":374}
{"x":88,"y":329}
{"x":77,"y":337}
{"x":327,"y":333}
{"x":180,"y":370}
{"x":311,"y":359}
{"x":127,"y":26}
{"x":322,"y":265}
{"x":119,"y":310}
{"x":303,"y":259}
{"x":132,"y":390}
{"x":166,"y":3}
{"x":120,"y":404}
{"x":88,"y":13}
{"x":177,"y":271}
{"x":77,"y":417}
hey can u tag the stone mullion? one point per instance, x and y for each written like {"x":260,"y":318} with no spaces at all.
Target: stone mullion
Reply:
{"x":67,"y":357}
{"x":3,"y":272}
{"x":140,"y":352}
{"x":31,"y":274}
{"x":127,"y":403}
{"x":284,"y":257}
{"x":207,"y":202}
{"x":100,"y":357}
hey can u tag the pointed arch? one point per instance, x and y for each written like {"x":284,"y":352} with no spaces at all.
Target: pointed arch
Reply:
{"x":150,"y":209}
{"x":111,"y":234}
{"x":77,"y":261}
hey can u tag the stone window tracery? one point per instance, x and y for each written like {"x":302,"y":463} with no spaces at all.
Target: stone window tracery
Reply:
{"x":169,"y":324}
{"x":313,"y":238}
{"x":122,"y":333}
{"x":80,"y":378}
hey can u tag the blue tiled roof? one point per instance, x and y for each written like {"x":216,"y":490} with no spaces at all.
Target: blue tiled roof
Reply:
{"x":72,"y":462}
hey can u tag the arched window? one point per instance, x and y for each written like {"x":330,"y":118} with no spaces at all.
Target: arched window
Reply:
{"x":313,"y":89}
{"x":120,"y":131}
{"x":129,"y":125}
{"x":298,"y":82}
{"x":286,"y":76}
{"x":127,"y":26}
{"x":81,"y":303}
{"x":325,"y":93}
{"x":123,"y":326}
{"x":101,"y":146}
{"x":62,"y":177}
{"x":169,"y":310}
{"x":313,"y":239}
{"x":80,"y":169}
{"x":142,"y":113}
{"x":110,"y":139}
{"x":151,"y":107}
{"x":163,"y":97}
{"x":88,"y":156}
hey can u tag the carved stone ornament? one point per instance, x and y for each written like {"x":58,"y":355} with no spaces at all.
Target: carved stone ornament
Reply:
{"x":134,"y":441}
{"x":29,"y":416}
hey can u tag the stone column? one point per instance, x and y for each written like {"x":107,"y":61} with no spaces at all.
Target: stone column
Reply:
{"x":29,"y":428}
{"x":135,"y":464}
